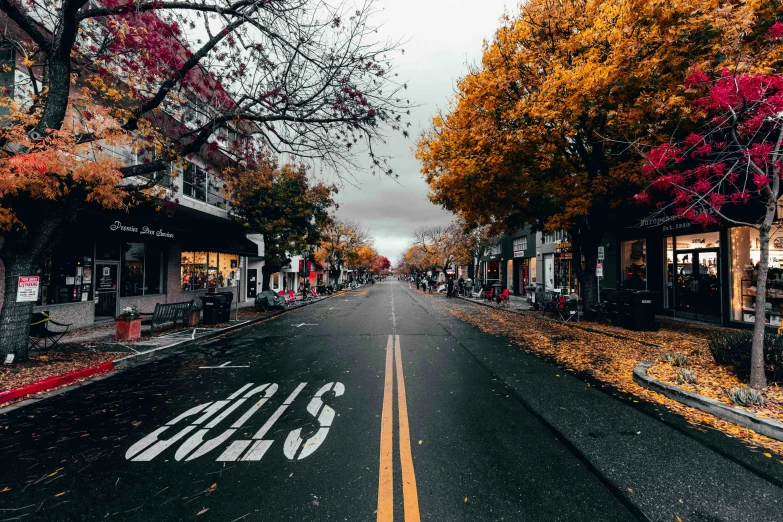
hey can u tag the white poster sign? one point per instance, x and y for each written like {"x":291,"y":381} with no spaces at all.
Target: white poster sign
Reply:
{"x":27,"y":289}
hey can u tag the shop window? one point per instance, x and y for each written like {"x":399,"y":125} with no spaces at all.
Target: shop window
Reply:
{"x":493,"y":271}
{"x":142,"y":270}
{"x":745,"y":256}
{"x":634,"y":264}
{"x":200,"y":270}
{"x":66,"y":277}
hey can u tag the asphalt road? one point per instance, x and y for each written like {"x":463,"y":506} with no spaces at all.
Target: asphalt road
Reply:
{"x":376,"y":405}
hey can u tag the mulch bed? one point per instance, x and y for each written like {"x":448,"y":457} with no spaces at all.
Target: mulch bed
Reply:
{"x":42,"y":367}
{"x":612,"y":360}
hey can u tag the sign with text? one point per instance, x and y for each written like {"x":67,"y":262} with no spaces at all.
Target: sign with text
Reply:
{"x":117,"y":226}
{"x":27,"y":289}
{"x":599,"y":269}
{"x":601,"y":253}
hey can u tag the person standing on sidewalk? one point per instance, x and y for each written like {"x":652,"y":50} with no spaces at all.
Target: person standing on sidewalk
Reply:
{"x":424,"y":286}
{"x":450,"y":287}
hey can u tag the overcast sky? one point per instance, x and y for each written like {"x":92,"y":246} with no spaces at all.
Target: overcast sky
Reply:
{"x":443,"y":36}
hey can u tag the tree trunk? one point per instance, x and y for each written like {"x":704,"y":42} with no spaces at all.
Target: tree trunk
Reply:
{"x":15,"y":316}
{"x":265,"y":278}
{"x":758,"y":378}
{"x":585,"y":244}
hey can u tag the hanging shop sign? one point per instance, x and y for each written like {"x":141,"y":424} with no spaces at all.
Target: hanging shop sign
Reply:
{"x":144,"y":230}
{"x":27,"y":289}
{"x":562,"y":247}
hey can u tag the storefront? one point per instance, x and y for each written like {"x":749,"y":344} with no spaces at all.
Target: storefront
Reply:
{"x":683,"y":262}
{"x":102,"y":264}
{"x":563,"y":269}
{"x":524,"y":263}
{"x":745,"y":256}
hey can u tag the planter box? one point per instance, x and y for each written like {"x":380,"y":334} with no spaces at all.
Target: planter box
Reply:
{"x":127,"y":330}
{"x":195,"y":317}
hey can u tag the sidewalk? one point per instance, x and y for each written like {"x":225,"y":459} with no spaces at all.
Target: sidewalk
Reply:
{"x":515,"y":302}
{"x":93,"y":351}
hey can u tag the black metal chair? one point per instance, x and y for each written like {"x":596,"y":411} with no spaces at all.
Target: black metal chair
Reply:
{"x":41,"y":338}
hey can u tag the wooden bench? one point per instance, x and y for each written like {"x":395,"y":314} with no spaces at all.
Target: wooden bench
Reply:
{"x":168,"y":313}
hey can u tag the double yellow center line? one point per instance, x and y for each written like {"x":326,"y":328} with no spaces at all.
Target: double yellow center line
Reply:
{"x":386,"y":475}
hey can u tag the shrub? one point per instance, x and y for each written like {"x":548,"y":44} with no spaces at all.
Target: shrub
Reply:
{"x":734,"y":350}
{"x":686,"y":376}
{"x":745,"y":396}
{"x":675,"y":359}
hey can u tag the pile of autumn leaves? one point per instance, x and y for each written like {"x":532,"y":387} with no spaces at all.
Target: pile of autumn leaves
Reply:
{"x":612,"y":359}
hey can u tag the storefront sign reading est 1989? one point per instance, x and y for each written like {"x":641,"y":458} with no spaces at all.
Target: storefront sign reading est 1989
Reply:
{"x":27,"y":289}
{"x":144,"y":231}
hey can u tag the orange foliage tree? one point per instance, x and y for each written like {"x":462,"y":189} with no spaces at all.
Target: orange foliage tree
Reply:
{"x":340,"y":246}
{"x":539,"y":132}
{"x":267,"y":76}
{"x":285,"y":206}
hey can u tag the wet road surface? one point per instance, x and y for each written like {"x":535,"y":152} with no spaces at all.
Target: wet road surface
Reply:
{"x":366,"y":406}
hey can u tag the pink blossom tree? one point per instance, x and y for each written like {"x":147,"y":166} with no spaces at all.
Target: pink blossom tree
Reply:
{"x":736,"y":159}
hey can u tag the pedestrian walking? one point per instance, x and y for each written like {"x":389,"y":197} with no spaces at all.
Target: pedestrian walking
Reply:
{"x":461,"y":286}
{"x":418,"y":283}
{"x":431,"y":284}
{"x":450,"y":287}
{"x":469,"y":287}
{"x":424,"y":286}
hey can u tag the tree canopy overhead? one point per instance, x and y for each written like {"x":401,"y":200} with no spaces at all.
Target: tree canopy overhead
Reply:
{"x":539,"y":131}
{"x":104,"y":96}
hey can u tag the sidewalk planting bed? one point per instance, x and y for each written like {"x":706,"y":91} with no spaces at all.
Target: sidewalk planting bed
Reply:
{"x":612,"y":360}
{"x":39,"y":368}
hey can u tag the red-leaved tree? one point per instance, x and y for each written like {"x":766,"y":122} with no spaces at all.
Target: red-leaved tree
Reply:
{"x":735,"y":160}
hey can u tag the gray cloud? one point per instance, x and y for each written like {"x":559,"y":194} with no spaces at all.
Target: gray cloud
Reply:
{"x":444,"y":36}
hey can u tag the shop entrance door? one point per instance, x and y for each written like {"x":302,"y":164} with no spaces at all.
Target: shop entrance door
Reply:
{"x":697,"y":284}
{"x":252,"y":282}
{"x":106,"y":289}
{"x":524,"y":277}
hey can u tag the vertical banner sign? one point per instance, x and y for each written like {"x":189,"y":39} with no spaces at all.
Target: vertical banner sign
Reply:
{"x":27,"y":289}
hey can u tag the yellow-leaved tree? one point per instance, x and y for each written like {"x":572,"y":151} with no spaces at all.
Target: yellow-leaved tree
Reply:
{"x":540,"y":131}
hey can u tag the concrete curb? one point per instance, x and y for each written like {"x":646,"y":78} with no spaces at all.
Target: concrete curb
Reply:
{"x":119,"y":364}
{"x":570,"y":325}
{"x":767,"y":427}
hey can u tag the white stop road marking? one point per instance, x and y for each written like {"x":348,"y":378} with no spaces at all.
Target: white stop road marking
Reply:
{"x":209,"y":415}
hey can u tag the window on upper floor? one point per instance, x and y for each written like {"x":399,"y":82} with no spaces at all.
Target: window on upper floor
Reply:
{"x":199,"y":184}
{"x":494,"y":249}
{"x":520,"y":244}
{"x":555,"y":237}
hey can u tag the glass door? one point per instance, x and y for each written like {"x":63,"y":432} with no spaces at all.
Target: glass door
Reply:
{"x":697,"y":284}
{"x":106,"y":289}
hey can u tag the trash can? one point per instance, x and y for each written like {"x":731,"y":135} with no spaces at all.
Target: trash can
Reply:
{"x":213,"y":308}
{"x":226,"y":313}
{"x":620,"y":308}
{"x":642,"y":314}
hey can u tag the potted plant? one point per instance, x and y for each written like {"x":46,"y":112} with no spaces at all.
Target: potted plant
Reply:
{"x":127,"y":325}
{"x":195,"y":314}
